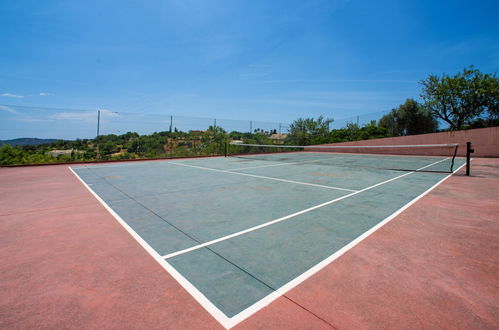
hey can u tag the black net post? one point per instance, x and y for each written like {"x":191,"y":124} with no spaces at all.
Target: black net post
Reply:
{"x":454,"y":158}
{"x":469,"y":151}
{"x":226,"y":150}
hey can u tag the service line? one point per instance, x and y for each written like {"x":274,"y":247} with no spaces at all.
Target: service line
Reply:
{"x":261,"y":177}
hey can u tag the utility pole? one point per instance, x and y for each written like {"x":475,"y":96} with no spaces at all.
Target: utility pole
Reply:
{"x":98,"y":133}
{"x":97,"y":139}
{"x":98,"y":122}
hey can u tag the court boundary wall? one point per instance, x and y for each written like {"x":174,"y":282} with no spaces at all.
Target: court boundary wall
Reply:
{"x":485,"y":141}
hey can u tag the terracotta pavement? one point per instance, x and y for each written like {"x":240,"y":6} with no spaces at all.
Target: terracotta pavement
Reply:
{"x":67,"y":263}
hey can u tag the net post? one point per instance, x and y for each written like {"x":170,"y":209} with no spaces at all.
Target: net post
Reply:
{"x":469,"y":151}
{"x":226,"y":149}
{"x":453,"y":158}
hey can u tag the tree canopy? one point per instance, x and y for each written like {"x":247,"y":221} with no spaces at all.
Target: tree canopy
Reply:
{"x":309,"y":130}
{"x":408,"y":119}
{"x":463,"y":98}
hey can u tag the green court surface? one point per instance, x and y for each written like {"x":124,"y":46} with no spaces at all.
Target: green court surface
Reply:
{"x":239,"y":232}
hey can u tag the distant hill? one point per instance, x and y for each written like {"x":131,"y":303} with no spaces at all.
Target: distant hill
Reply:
{"x":27,"y":141}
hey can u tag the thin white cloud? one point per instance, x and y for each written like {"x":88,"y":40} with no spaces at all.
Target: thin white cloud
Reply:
{"x":85,"y":116}
{"x":32,"y":119}
{"x":75,"y":116}
{"x":12,"y":95}
{"x":23,"y":117}
{"x":8,"y":109}
{"x":44,"y":94}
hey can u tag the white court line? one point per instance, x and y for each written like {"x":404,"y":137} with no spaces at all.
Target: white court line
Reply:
{"x":261,"y":177}
{"x":90,"y":166}
{"x":298,"y":280}
{"x":201,"y":298}
{"x":266,"y":224}
{"x":261,"y":166}
{"x":279,"y":164}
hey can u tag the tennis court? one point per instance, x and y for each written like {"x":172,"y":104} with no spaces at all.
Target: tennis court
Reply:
{"x":238,"y":232}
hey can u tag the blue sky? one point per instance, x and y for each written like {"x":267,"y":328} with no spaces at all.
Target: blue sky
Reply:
{"x":260,"y":60}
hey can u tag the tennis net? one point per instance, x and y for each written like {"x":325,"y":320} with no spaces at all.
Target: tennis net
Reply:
{"x":425,"y":158}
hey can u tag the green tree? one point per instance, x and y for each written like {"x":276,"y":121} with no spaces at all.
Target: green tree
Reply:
{"x":215,"y":130}
{"x":352,"y":132}
{"x":461,"y":99}
{"x":391,"y":122}
{"x":408,"y":119}
{"x":11,"y":155}
{"x":309,"y":130}
{"x":372,"y":131}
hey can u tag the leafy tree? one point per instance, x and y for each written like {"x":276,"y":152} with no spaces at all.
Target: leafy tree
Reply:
{"x":481,"y":123}
{"x":461,"y":99}
{"x":10,"y":155}
{"x":371,"y":131}
{"x":352,"y":132}
{"x":109,"y":147}
{"x":309,"y":130}
{"x":408,"y":119}
{"x":215,"y":131}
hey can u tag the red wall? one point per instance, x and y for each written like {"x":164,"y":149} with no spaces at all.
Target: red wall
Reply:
{"x":485,"y":141}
